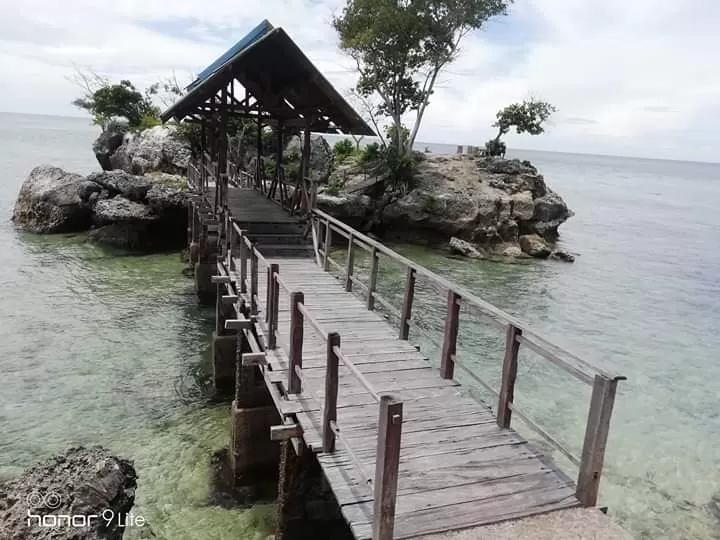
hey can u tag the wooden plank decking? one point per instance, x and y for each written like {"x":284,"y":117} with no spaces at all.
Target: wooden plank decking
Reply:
{"x":458,"y":468}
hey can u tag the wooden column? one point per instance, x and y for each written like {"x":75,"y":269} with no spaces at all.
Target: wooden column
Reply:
{"x":296,"y":342}
{"x":331,"y":392}
{"x":326,"y":246}
{"x":372,"y":283}
{"x":509,"y":374}
{"x":386,"y":468}
{"x":243,"y":262}
{"x":350,"y":266}
{"x":259,"y":172}
{"x":305,"y":167}
{"x":223,"y":149}
{"x":596,"y":434}
{"x":273,"y":305}
{"x":447,"y":364}
{"x":406,"y":313}
{"x":253,"y":282}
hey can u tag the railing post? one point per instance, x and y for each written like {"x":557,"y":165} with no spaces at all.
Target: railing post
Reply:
{"x":243,"y":262}
{"x":231,"y":245}
{"x":296,"y":342}
{"x":372,"y":283}
{"x":328,"y":240}
{"x":331,"y":392}
{"x":596,"y":434}
{"x":268,"y":293}
{"x":350,"y":264}
{"x":447,"y":363}
{"x":253,"y":282}
{"x":272,"y":305}
{"x":386,"y":468}
{"x":509,"y":374}
{"x":407,"y":303}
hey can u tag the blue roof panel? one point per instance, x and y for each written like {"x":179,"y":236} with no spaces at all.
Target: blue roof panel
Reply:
{"x":251,"y":37}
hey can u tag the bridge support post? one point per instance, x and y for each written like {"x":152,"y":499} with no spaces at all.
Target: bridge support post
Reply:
{"x":224,"y":346}
{"x":204,"y":253}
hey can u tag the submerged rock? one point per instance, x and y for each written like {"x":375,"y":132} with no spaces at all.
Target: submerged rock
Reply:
{"x":52,"y":200}
{"x":562,"y":255}
{"x":535,"y":246}
{"x":82,"y":482}
{"x":461,"y":247}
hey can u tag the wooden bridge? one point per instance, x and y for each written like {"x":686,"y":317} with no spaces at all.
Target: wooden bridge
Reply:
{"x":312,"y":361}
{"x":405,"y":451}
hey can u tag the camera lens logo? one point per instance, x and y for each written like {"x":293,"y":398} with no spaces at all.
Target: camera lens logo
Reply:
{"x":49,"y":500}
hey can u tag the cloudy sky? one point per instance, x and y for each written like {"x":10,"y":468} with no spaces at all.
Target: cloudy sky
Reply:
{"x":639,"y":77}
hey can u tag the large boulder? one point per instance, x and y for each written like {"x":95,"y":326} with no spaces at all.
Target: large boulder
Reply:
{"x":82,"y":482}
{"x":159,"y":148}
{"x":108,"y":142}
{"x":466,"y":249}
{"x":535,"y":246}
{"x":321,"y":156}
{"x":118,"y":182}
{"x":52,"y":200}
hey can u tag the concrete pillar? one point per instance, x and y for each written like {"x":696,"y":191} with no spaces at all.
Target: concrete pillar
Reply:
{"x":205,"y":289}
{"x":253,"y":456}
{"x":293,"y":491}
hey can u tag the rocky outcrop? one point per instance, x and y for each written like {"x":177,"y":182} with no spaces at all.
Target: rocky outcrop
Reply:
{"x":52,"y":200}
{"x":145,"y":213}
{"x":40,"y":504}
{"x":156,"y":149}
{"x":321,"y":156}
{"x":487,"y":202}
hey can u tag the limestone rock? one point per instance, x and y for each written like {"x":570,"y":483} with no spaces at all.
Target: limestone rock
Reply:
{"x":156,"y":149}
{"x":321,"y":156}
{"x":523,"y":206}
{"x":535,"y":246}
{"x":120,"y":209}
{"x":52,"y":200}
{"x":119,"y":182}
{"x":513,"y":252}
{"x":81,"y":482}
{"x":461,"y":247}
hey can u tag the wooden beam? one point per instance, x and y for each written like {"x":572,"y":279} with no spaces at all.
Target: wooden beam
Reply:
{"x":238,"y":324}
{"x":406,"y":313}
{"x":254,"y":359}
{"x":285,"y":432}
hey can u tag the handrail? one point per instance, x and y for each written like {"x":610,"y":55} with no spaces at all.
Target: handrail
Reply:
{"x":465,"y":294}
{"x":358,"y":375}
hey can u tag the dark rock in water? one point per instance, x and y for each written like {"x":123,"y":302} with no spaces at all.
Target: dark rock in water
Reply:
{"x":120,"y":209}
{"x":128,"y":235}
{"x":535,"y":246}
{"x":562,"y":255}
{"x":108,"y":142}
{"x":41,"y":503}
{"x":52,"y":200}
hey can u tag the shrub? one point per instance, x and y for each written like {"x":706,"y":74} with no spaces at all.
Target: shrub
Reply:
{"x":495,"y":148}
{"x":370,"y":154}
{"x":343,"y":150}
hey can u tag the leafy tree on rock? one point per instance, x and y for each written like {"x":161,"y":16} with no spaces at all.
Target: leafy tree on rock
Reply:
{"x":400,"y":47}
{"x":526,"y":117}
{"x":121,"y":100}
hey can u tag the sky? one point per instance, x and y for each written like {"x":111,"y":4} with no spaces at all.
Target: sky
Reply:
{"x":637,"y":78}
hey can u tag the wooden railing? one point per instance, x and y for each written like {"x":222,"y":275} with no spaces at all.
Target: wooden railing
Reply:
{"x":390,"y":416}
{"x":517,"y":333}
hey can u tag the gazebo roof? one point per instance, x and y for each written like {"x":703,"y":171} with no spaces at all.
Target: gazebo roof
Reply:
{"x":285,"y":85}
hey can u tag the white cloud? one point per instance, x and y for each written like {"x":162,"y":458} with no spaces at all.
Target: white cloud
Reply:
{"x":635,"y":77}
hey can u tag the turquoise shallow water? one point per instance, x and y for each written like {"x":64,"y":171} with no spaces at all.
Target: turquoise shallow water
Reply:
{"x":100,"y":347}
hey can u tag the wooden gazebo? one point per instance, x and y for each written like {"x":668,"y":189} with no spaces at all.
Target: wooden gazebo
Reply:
{"x":267,"y":78}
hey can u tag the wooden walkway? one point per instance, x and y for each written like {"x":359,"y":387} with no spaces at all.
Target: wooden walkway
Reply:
{"x":458,"y":467}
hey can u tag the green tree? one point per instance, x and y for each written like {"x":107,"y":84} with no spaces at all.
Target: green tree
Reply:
{"x":401,"y":46}
{"x":121,"y":100}
{"x":526,"y":117}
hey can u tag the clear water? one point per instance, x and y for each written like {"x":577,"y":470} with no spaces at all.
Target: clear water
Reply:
{"x":98,"y":347}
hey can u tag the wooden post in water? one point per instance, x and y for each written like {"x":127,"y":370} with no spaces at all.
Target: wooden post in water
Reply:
{"x":296,"y":342}
{"x":509,"y":374}
{"x":407,"y":303}
{"x":387,"y":464}
{"x":372,"y":284}
{"x":272,"y":305}
{"x":596,"y":434}
{"x":328,"y":240}
{"x":447,"y":363}
{"x":350,"y":264}
{"x":331,"y":392}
